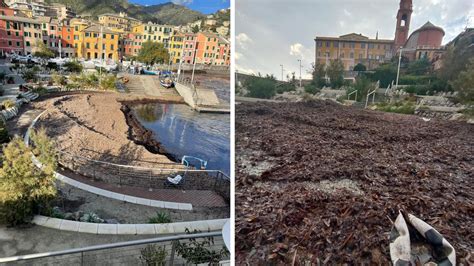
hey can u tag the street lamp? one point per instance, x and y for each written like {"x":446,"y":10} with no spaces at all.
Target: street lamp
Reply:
{"x":400,"y":61}
{"x":281,"y":72}
{"x":299,"y":60}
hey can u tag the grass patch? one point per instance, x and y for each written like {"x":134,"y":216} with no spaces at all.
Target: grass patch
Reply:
{"x":406,"y":107}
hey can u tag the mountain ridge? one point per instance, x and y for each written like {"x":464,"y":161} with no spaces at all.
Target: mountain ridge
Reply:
{"x":164,"y":13}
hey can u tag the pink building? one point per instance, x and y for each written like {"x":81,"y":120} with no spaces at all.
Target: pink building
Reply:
{"x":189,"y":48}
{"x":11,"y":32}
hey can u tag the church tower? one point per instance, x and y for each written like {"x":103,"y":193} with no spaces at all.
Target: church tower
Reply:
{"x":403,"y":23}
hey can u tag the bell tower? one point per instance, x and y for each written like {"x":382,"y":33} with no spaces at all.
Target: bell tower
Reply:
{"x":403,"y":23}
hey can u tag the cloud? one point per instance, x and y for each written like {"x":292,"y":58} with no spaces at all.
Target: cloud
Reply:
{"x":182,"y":2}
{"x":270,"y":33}
{"x":243,"y":40}
{"x":238,"y":55}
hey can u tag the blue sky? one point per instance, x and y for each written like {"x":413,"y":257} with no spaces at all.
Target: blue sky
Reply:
{"x":203,"y":6}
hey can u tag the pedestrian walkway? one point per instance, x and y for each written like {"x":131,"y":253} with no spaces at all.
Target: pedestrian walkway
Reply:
{"x":197,"y":198}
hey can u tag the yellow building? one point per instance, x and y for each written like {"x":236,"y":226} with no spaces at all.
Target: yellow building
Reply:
{"x":352,"y":49}
{"x":155,"y":33}
{"x":120,"y":22}
{"x":98,"y":42}
{"x":176,"y":48}
{"x":78,"y":26}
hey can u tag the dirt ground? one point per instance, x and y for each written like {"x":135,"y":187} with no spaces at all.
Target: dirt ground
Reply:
{"x":328,"y":181}
{"x":93,"y":126}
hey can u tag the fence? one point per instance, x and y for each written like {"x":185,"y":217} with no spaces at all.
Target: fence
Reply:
{"x":151,"y":178}
{"x":134,"y":252}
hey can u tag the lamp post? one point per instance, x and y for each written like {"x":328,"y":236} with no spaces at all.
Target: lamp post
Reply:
{"x":299,"y":60}
{"x":281,"y":72}
{"x":400,"y":61}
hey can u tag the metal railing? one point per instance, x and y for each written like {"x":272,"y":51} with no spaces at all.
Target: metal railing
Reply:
{"x":145,"y":177}
{"x":349,"y":95}
{"x":128,"y":253}
{"x":372,"y":93}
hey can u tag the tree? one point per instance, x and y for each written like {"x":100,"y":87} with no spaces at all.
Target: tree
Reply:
{"x":464,"y":84}
{"x":152,"y":53}
{"x":259,"y":87}
{"x":360,"y":67}
{"x":195,"y":29}
{"x":385,"y":73}
{"x":43,"y":51}
{"x":335,"y":72}
{"x":24,"y":188}
{"x":419,"y":67}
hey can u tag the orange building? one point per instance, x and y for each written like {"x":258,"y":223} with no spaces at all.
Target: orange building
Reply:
{"x":207,"y":48}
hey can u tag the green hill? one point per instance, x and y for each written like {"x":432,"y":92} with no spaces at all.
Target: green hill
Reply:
{"x":167,"y":13}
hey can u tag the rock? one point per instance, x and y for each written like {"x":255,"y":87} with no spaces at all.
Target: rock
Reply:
{"x":456,"y":116}
{"x":470,"y":121}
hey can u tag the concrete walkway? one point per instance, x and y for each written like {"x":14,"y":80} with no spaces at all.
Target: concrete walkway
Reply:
{"x":20,"y":241}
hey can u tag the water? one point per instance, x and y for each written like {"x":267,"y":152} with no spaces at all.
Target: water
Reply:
{"x":183,"y":131}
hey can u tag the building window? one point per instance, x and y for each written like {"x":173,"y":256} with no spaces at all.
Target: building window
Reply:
{"x":27,"y":43}
{"x":352,"y":55}
{"x":18,"y":44}
{"x":87,"y":45}
{"x":9,"y":43}
{"x":111,"y":47}
{"x":328,"y":44}
{"x":362,"y":45}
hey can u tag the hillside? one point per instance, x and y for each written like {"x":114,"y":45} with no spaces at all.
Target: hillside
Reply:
{"x":167,"y":13}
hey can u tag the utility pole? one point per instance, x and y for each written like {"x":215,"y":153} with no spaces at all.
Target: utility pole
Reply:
{"x":399,"y":62}
{"x":299,"y":60}
{"x":281,"y":72}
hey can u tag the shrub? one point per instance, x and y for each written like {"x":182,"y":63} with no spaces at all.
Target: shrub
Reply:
{"x":73,"y":67}
{"x":59,"y":80}
{"x":8,"y":104}
{"x":30,"y":74}
{"x":24,"y":188}
{"x":160,"y":218}
{"x":153,"y":255}
{"x":91,"y":218}
{"x":259,"y":87}
{"x":4,"y":137}
{"x":197,"y":252}
{"x":108,"y":82}
{"x":406,"y":107}
{"x":311,"y":89}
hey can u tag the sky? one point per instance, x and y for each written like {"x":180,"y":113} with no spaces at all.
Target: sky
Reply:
{"x":270,"y":33}
{"x":203,"y":6}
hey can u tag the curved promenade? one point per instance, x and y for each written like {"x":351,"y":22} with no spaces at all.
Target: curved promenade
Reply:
{"x":106,"y":193}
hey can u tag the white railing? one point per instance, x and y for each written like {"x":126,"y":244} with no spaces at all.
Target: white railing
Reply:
{"x":348,"y":95}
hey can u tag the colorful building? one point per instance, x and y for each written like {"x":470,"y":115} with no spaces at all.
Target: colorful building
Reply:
{"x":120,"y":22}
{"x":11,"y":31}
{"x":189,"y":48}
{"x":99,"y":42}
{"x":207,"y":44}
{"x":131,"y":44}
{"x":155,"y":32}
{"x":78,"y":26}
{"x":176,"y":48}
{"x":352,"y":49}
